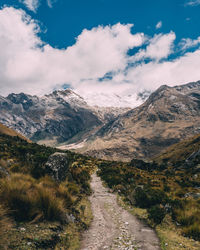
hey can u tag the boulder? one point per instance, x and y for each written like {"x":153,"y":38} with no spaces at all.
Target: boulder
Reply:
{"x":57,"y":166}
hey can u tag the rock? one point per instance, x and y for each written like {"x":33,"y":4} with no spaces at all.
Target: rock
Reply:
{"x":193,"y":195}
{"x":57,"y":166}
{"x":70,"y":218}
{"x":3,"y":172}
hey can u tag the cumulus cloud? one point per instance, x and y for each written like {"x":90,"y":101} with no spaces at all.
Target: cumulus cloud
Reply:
{"x":31,"y":66}
{"x":31,"y":4}
{"x":159,"y":47}
{"x":159,"y":25}
{"x":98,"y":62}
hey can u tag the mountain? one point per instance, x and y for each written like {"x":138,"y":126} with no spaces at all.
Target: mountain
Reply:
{"x":54,"y":118}
{"x":131,"y":100}
{"x":184,"y":154}
{"x":167,"y":116}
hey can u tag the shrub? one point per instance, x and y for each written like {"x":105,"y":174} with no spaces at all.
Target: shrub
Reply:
{"x":193,"y":231}
{"x":64,"y":194}
{"x":16,"y":195}
{"x":73,"y":188}
{"x":26,"y":199}
{"x":156,"y":214}
{"x":145,"y":198}
{"x":52,"y":209}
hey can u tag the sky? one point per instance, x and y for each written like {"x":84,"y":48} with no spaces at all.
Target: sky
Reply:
{"x":98,"y":47}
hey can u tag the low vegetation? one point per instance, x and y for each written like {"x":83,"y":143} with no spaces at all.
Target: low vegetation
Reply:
{"x":38,"y":212}
{"x":29,"y":196}
{"x":167,"y":187}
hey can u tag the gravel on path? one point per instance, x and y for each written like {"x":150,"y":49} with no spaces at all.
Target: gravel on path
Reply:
{"x":113,"y":227}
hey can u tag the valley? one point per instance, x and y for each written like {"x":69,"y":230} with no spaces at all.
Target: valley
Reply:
{"x":64,"y":119}
{"x":73,"y":176}
{"x":169,"y":115}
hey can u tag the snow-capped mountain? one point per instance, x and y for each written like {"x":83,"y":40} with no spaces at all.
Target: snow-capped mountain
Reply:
{"x":167,"y":116}
{"x":53,"y":118}
{"x":115,"y":100}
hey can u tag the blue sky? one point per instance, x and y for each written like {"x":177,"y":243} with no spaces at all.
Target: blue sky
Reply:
{"x":140,"y":44}
{"x":66,"y":19}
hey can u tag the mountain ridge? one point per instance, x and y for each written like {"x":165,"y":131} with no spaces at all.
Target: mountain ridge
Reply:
{"x":168,"y":115}
{"x":54,"y":118}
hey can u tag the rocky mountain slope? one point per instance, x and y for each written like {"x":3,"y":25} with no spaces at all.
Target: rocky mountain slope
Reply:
{"x":168,"y":115}
{"x":53,"y":118}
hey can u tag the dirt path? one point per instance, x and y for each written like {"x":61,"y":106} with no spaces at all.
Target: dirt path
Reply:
{"x":113,"y":227}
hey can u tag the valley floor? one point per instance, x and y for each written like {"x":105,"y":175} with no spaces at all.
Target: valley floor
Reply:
{"x":113,"y":227}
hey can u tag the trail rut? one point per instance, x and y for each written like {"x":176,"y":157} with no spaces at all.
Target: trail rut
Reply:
{"x":113,"y":227}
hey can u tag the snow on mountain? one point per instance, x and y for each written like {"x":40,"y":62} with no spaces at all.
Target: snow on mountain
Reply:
{"x":116,"y":100}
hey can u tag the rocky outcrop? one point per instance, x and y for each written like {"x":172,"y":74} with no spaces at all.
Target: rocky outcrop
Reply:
{"x":57,"y":166}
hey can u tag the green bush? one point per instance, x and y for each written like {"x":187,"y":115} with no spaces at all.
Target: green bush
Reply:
{"x":193,"y":231}
{"x":156,"y":214}
{"x":147,"y":197}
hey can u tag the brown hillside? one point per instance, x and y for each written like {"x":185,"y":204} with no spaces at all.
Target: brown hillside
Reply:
{"x":8,"y":131}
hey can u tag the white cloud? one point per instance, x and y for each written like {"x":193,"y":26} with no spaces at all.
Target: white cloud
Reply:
{"x":50,"y":3}
{"x":34,"y":4}
{"x":159,"y":25}
{"x":192,"y":3}
{"x":159,"y":47}
{"x":179,"y":71}
{"x":187,"y":43}
{"x":28,"y":65}
{"x":31,"y":4}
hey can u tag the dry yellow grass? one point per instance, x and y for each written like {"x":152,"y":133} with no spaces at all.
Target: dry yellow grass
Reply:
{"x":8,"y":131}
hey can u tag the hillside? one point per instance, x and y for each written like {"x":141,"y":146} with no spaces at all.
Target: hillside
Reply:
{"x":183,"y":154}
{"x":169,"y":115}
{"x":7,"y":131}
{"x":43,"y":195}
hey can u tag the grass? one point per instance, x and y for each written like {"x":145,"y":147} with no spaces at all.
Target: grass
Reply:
{"x":5,"y":226}
{"x":30,"y":198}
{"x":26,"y":199}
{"x":163,"y":188}
{"x":7,"y":131}
{"x":170,"y":235}
{"x":84,"y":207}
